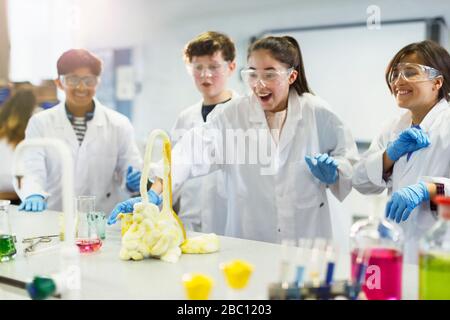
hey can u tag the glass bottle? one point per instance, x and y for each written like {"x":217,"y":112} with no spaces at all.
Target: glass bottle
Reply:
{"x":377,"y":258}
{"x":434,"y":256}
{"x":7,"y":247}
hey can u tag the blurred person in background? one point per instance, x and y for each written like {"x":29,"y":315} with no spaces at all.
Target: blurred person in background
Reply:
{"x":14,"y":116}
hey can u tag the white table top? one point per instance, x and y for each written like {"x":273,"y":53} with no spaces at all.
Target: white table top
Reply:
{"x":105,"y":276}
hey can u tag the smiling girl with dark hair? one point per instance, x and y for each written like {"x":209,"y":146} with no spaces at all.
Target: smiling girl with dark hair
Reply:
{"x":415,"y":147}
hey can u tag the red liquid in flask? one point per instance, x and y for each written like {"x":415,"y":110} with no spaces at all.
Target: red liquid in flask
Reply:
{"x":383,"y":279}
{"x":86,"y":245}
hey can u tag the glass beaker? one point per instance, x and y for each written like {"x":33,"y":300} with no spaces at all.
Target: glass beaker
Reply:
{"x":98,"y":218}
{"x":377,"y":258}
{"x":434,"y":258}
{"x":7,"y":247}
{"x":87,"y":238}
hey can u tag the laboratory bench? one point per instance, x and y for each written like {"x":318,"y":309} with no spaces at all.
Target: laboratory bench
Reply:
{"x":105,"y":276}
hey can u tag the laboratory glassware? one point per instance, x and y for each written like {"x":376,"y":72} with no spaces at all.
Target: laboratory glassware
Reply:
{"x":377,"y":258}
{"x":98,"y":219}
{"x":434,"y":256}
{"x":7,"y":246}
{"x":87,"y":238}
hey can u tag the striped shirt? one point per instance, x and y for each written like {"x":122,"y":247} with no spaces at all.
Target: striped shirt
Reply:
{"x":79,"y":124}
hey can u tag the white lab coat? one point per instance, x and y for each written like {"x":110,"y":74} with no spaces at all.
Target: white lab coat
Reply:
{"x":100,"y":162}
{"x":202,"y":200}
{"x":6,"y":165}
{"x":430,"y":164}
{"x":287,"y":202}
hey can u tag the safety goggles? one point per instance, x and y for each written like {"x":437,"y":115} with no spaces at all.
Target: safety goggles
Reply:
{"x":252,"y":76}
{"x":413,"y":72}
{"x":211,"y":70}
{"x":73,"y":81}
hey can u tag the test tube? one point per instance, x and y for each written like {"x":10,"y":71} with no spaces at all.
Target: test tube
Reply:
{"x":360,"y":272}
{"x":303,"y":245}
{"x":331,"y":254}
{"x":316,"y":261}
{"x":361,"y":265}
{"x":285,"y":263}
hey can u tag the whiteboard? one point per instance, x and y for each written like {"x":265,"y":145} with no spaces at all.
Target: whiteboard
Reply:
{"x":345,"y":67}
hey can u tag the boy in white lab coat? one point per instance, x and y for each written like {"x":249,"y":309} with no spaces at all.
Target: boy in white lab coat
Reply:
{"x":209,"y":58}
{"x":101,"y":142}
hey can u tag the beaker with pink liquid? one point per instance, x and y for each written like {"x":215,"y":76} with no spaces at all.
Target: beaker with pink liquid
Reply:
{"x":377,"y":258}
{"x":87,"y":238}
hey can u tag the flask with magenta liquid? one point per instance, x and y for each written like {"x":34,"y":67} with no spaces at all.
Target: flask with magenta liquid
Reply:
{"x":87,"y":238}
{"x":377,"y":258}
{"x":434,"y":258}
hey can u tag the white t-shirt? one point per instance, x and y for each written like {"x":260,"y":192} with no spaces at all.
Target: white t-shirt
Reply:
{"x":6,"y":165}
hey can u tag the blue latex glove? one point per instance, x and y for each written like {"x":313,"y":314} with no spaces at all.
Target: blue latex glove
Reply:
{"x":409,"y":140}
{"x":127,"y":206}
{"x":404,"y":201}
{"x":35,"y":203}
{"x":324,"y":168}
{"x":133,"y":179}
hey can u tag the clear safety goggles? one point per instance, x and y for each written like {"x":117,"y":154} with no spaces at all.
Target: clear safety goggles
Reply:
{"x":252,"y":76}
{"x":73,"y":81}
{"x":211,"y":70}
{"x":413,"y":72}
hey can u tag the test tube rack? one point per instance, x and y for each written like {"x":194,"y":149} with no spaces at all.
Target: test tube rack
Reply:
{"x":342,"y":289}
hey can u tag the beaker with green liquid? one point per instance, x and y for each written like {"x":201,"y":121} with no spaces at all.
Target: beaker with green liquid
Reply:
{"x":434,"y":258}
{"x":7,"y":246}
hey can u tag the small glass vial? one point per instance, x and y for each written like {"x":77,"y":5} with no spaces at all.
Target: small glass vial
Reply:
{"x":377,"y":258}
{"x":7,"y":246}
{"x":434,"y":257}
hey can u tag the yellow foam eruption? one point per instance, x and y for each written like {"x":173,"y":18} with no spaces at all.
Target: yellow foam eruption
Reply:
{"x":149,"y":232}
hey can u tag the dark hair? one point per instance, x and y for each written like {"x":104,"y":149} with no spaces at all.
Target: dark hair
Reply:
{"x":209,"y":43}
{"x":431,"y":54}
{"x":78,"y":58}
{"x":14,"y":115}
{"x":286,"y":50}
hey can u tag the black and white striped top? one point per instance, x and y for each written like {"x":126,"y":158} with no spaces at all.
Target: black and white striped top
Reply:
{"x":79,"y":126}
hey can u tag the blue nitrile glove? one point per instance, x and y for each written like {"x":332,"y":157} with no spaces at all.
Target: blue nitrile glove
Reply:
{"x":409,"y":140}
{"x":404,"y":201}
{"x":324,"y":168}
{"x":133,"y":179}
{"x":35,"y":203}
{"x":127,"y":206}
